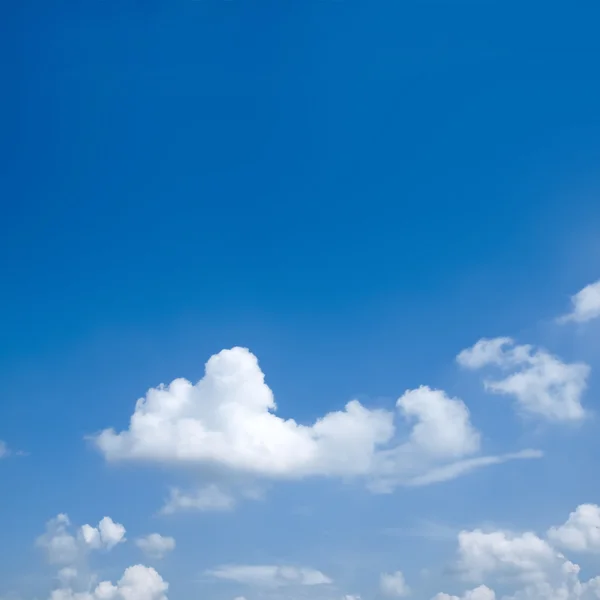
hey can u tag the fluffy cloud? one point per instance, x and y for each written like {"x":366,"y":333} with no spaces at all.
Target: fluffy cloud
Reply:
{"x":62,"y":547}
{"x":393,"y":584}
{"x":209,"y":497}
{"x":270,"y":575}
{"x":4,"y":451}
{"x":155,"y":545}
{"x":585,"y":305}
{"x":542,"y":384}
{"x":227,"y":419}
{"x":564,"y":585}
{"x":59,"y":544}
{"x":529,"y":562}
{"x":581,"y":532}
{"x":105,"y":536}
{"x":138,"y":583}
{"x":525,"y":556}
{"x":479,"y":593}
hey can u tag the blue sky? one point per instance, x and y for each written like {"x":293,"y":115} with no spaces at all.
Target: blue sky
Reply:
{"x":356,"y":193}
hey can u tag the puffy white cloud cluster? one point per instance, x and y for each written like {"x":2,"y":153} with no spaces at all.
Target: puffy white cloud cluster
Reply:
{"x":64,"y":547}
{"x":540,"y":382}
{"x":581,"y":532}
{"x":272,"y":576}
{"x":156,"y":545}
{"x":525,"y":556}
{"x":585,"y":305}
{"x":105,"y":536}
{"x":528,"y":562}
{"x":137,"y":583}
{"x":228,"y":420}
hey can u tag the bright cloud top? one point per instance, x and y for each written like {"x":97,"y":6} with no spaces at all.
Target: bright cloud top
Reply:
{"x":585,"y":305}
{"x":227,"y":419}
{"x":581,"y":532}
{"x":105,"y":536}
{"x":273,"y":576}
{"x":542,"y":384}
{"x":525,"y":556}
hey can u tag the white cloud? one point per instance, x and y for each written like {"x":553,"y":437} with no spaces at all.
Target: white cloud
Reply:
{"x":4,"y":451}
{"x":531,"y":562}
{"x":570,"y":588}
{"x":210,"y":497}
{"x":585,"y":305}
{"x":67,"y":575}
{"x":525,"y":556}
{"x":156,"y":545}
{"x":227,"y":419}
{"x":581,"y":532}
{"x":138,"y":583}
{"x":564,"y":585}
{"x":393,"y":584}
{"x":270,"y":575}
{"x":62,"y":547}
{"x":443,"y":426}
{"x":105,"y":536}
{"x":542,"y":384}
{"x":454,"y":470}
{"x":479,"y":593}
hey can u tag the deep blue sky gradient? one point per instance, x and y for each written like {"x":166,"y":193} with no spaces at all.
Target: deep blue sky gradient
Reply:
{"x":355,"y":190}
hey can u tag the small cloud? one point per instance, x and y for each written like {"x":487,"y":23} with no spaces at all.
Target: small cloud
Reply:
{"x":581,"y":532}
{"x":59,"y":544}
{"x":155,"y":545}
{"x":105,"y":536}
{"x":272,"y":576}
{"x":5,"y":451}
{"x":393,"y":585}
{"x":542,"y":384}
{"x":585,"y":305}
{"x":208,"y":498}
{"x":62,"y":547}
